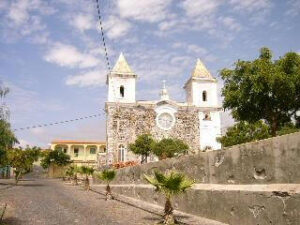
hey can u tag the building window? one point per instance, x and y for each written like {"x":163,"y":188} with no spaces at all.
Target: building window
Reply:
{"x":207,"y":116}
{"x":65,"y":150}
{"x":122,"y":91}
{"x":121,"y":155}
{"x":92,"y":151}
{"x":204,"y":96}
{"x":76,"y":152}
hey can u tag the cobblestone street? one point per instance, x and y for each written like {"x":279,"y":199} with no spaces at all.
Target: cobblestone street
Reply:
{"x":42,"y":201}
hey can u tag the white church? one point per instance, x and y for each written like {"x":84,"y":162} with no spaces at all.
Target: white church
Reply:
{"x":195,"y":121}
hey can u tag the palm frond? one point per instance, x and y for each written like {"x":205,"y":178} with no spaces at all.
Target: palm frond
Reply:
{"x":107,"y":175}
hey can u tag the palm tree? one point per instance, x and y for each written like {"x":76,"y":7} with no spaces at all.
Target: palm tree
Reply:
{"x":107,"y":176}
{"x":170,"y":184}
{"x":87,"y":171}
{"x":72,"y":173}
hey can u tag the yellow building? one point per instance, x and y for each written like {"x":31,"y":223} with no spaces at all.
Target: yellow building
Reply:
{"x":86,"y":153}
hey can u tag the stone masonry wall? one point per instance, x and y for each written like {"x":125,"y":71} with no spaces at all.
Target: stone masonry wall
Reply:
{"x":274,"y":160}
{"x":127,"y":121}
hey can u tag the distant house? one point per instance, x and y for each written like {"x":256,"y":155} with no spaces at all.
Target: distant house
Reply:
{"x":86,"y":153}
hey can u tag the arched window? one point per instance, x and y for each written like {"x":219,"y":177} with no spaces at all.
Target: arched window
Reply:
{"x":122,"y":152}
{"x":122,"y":91}
{"x":204,"y":96}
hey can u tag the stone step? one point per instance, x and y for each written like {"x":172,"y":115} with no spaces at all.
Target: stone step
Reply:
{"x":262,"y":204}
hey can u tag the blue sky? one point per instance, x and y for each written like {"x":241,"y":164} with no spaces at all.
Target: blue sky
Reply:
{"x":52,"y":59}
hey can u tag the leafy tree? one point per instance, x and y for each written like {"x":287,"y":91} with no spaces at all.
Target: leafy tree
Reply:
{"x":72,"y":172}
{"x":57,"y":157}
{"x":22,"y":160}
{"x":168,"y":148}
{"x":7,"y":141}
{"x":107,"y":176}
{"x":170,"y":184}
{"x":287,"y":129}
{"x":142,"y":146}
{"x":245,"y":132}
{"x":264,"y":89}
{"x":87,"y":171}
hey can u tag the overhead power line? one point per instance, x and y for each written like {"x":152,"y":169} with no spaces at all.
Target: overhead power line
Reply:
{"x":59,"y":122}
{"x":102,"y":35}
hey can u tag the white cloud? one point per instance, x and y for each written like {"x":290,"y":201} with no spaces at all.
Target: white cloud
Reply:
{"x":250,"y":5}
{"x":116,"y":27}
{"x":200,"y":7}
{"x":83,"y":22}
{"x":294,"y":8}
{"x":87,"y":79}
{"x":230,"y":23}
{"x":70,"y":56}
{"x":143,"y":10}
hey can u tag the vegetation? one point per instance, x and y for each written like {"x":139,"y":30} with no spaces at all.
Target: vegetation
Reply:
{"x":22,"y":160}
{"x":7,"y":141}
{"x":170,"y":184}
{"x":168,"y":148}
{"x":72,"y":172}
{"x":87,"y":171}
{"x":245,"y":132}
{"x":142,"y":146}
{"x":107,"y":176}
{"x":264,"y":89}
{"x":57,"y":157}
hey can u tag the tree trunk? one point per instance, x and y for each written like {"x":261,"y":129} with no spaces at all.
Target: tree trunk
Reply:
{"x":87,"y":183}
{"x":274,"y":127}
{"x":75,"y":180}
{"x":168,"y":216}
{"x":17,"y":177}
{"x":108,"y":194}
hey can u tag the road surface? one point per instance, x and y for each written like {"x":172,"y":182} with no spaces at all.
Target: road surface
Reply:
{"x":53,"y":202}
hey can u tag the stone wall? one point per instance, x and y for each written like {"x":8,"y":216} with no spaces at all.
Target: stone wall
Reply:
{"x":248,"y":184}
{"x":127,"y":121}
{"x":274,"y":160}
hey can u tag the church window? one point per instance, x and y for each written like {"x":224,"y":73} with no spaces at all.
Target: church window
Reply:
{"x":121,"y":154}
{"x":204,"y":96}
{"x":122,"y":91}
{"x":207,"y":116}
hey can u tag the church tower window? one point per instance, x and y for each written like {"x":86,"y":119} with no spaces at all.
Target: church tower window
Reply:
{"x":122,"y":91}
{"x":121,"y":155}
{"x":204,"y":96}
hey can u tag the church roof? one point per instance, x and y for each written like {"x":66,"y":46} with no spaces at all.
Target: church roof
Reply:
{"x":121,"y":66}
{"x":200,"y":71}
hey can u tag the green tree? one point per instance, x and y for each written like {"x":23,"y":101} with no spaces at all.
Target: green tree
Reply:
{"x":87,"y":171}
{"x":243,"y":132}
{"x":7,"y":141}
{"x":107,"y":176}
{"x":168,"y":148}
{"x":72,"y":172}
{"x":287,"y":129}
{"x":57,"y":157}
{"x":170,"y":184}
{"x":22,"y":160}
{"x":263,"y":89}
{"x":142,"y":146}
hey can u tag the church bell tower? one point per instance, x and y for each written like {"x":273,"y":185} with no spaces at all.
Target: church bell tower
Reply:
{"x":201,"y":88}
{"x":121,"y":82}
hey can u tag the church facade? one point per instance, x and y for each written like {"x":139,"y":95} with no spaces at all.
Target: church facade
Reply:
{"x":196,"y":121}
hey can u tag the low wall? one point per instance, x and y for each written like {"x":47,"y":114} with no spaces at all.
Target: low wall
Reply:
{"x":274,"y":160}
{"x":264,"y":204}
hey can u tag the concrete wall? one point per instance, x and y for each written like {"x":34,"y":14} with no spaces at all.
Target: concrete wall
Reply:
{"x":274,"y":160}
